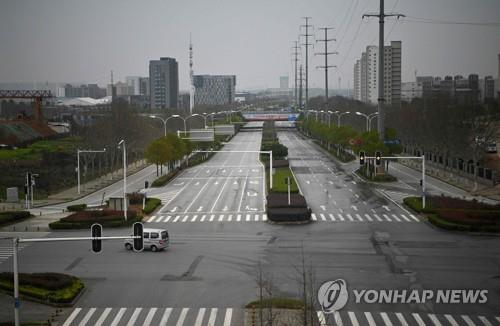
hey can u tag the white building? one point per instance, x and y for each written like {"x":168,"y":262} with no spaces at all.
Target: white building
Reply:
{"x":366,"y":74}
{"x":134,"y":83}
{"x":411,"y":90}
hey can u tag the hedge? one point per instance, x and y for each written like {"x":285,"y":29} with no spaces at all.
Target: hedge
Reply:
{"x":278,"y":200}
{"x":447,"y":225}
{"x":48,"y":281}
{"x":76,"y":208}
{"x":292,"y":214}
{"x":278,"y":303}
{"x":386,"y":177}
{"x":13,"y":216}
{"x":64,"y":294}
{"x":164,"y":179}
{"x":151,"y":204}
{"x":84,"y":219}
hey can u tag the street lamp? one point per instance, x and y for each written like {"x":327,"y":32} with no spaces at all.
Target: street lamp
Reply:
{"x":339,"y":115}
{"x":178,"y":116}
{"x":78,"y":151}
{"x":368,"y":117}
{"x":124,"y":177}
{"x":164,"y":122}
{"x":198,"y":115}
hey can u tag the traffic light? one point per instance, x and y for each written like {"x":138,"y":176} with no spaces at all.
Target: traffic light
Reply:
{"x":96,"y":232}
{"x":361,"y":158}
{"x":378,"y":158}
{"x":29,"y":179}
{"x":138,"y":231}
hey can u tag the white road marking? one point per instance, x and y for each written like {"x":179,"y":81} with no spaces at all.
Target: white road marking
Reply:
{"x":221,"y":217}
{"x":182,"y":316}
{"x":340,"y":217}
{"x":194,"y":218}
{"x":353,"y":182}
{"x":401,"y":319}
{"x":395,"y":217}
{"x":350,"y":217}
{"x":72,"y":317}
{"x":213,"y":315}
{"x":468,"y":321}
{"x":227,"y":318}
{"x":418,"y":319}
{"x":197,"y":183}
{"x":118,"y":316}
{"x":225,"y":209}
{"x":386,"y":319}
{"x":85,"y":319}
{"x":248,"y":217}
{"x":313,"y":216}
{"x":132,"y":319}
{"x":321,"y":318}
{"x":322,"y":217}
{"x":151,"y":218}
{"x":353,"y":318}
{"x":230,"y":217}
{"x":174,"y":209}
{"x":323,"y":207}
{"x":369,"y":318}
{"x":350,"y":189}
{"x":199,"y":318}
{"x":368,"y":217}
{"x":485,"y":321}
{"x":212,"y":217}
{"x":338,"y":319}
{"x":356,"y":195}
{"x":377,"y":217}
{"x":185,"y":218}
{"x":264,"y":217}
{"x":413,"y":217}
{"x":406,"y":218}
{"x":359,"y":217}
{"x":386,"y":217}
{"x":253,"y":182}
{"x":256,"y":217}
{"x":238,"y":218}
{"x":176,"y":218}
{"x":434,"y":319}
{"x":331,"y":182}
{"x":332,"y":217}
{"x":149,"y":317}
{"x":199,"y":209}
{"x":103,"y":317}
{"x":451,"y":320}
{"x":354,"y":207}
{"x":386,"y":208}
{"x":203,"y":218}
{"x":165,"y":317}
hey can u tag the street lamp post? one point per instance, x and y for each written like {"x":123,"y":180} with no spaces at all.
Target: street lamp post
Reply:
{"x":370,"y":121}
{"x":339,"y":115}
{"x":164,"y":122}
{"x":368,"y":118}
{"x":78,"y":151}
{"x":122,"y":142}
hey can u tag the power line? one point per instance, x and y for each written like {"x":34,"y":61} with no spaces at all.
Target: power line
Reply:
{"x":447,"y":22}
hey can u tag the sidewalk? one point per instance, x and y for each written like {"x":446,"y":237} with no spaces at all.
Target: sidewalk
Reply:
{"x":87,"y":188}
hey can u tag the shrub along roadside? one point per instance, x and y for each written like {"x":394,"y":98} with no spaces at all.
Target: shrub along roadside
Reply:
{"x":377,"y":178}
{"x":113,"y":219}
{"x":48,"y":288}
{"x":10,"y":217}
{"x":164,"y":179}
{"x":456,"y":214}
{"x":151,"y":205}
{"x":76,"y":208}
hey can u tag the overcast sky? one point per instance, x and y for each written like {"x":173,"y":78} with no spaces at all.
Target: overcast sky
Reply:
{"x":74,"y":40}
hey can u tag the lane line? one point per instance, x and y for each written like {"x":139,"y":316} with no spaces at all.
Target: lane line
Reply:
{"x":418,"y":319}
{"x":118,"y":316}
{"x":199,"y":318}
{"x":182,"y":316}
{"x":369,"y":318}
{"x":368,"y":218}
{"x":451,"y":320}
{"x":72,"y":317}
{"x":485,"y":321}
{"x":149,"y":317}
{"x":401,"y":319}
{"x":213,"y":315}
{"x":166,"y":315}
{"x":227,"y":318}
{"x":132,"y":319}
{"x":353,"y":318}
{"x":386,"y":319}
{"x":395,"y":217}
{"x":87,"y":317}
{"x":468,"y":321}
{"x":433,"y":318}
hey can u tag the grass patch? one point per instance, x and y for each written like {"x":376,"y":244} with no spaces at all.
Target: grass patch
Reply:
{"x":279,"y":178}
{"x":51,"y":288}
{"x":11,"y":217}
{"x":278,"y":303}
{"x":151,"y":205}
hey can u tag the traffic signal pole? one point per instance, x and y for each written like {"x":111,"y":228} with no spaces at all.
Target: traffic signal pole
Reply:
{"x":15,"y":243}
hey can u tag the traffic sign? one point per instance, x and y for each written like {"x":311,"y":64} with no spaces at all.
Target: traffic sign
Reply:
{"x":392,"y":142}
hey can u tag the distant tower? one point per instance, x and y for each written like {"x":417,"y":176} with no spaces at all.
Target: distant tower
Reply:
{"x":191,"y":84}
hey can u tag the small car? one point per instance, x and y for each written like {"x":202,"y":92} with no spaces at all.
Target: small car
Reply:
{"x":154,"y":239}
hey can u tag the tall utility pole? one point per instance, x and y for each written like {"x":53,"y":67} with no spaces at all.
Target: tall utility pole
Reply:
{"x":306,"y":35}
{"x":301,"y":78}
{"x":326,"y":53}
{"x":191,"y":83}
{"x":112,"y":87}
{"x":381,"y":111}
{"x":296,"y":60}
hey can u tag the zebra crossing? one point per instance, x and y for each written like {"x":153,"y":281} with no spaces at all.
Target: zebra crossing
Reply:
{"x":6,"y":250}
{"x":235,"y":316}
{"x":165,"y":197}
{"x":215,"y":217}
{"x":397,"y":196}
{"x":350,"y":318}
{"x":364,"y":217}
{"x":155,"y":316}
{"x":262,"y":217}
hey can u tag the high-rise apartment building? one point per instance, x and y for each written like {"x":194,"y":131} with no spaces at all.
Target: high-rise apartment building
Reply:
{"x":214,"y":90}
{"x":134,"y":83}
{"x":144,"y":86}
{"x":164,"y":83}
{"x":366,"y":74}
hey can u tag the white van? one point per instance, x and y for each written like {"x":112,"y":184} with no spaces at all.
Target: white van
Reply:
{"x":154,"y":239}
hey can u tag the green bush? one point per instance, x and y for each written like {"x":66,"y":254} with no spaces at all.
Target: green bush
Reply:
{"x":61,"y":295}
{"x":47,"y":281}
{"x":278,"y":303}
{"x":13,"y":216}
{"x":151,"y":204}
{"x":76,"y":208}
{"x":377,"y":178}
{"x":113,"y":223}
{"x":164,"y":179}
{"x":447,"y":225}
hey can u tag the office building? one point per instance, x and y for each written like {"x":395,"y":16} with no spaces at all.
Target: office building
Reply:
{"x":134,"y":83}
{"x":211,"y":90}
{"x":284,"y":82}
{"x":411,"y":90}
{"x":366,"y":74}
{"x":144,"y":86}
{"x":164,"y":83}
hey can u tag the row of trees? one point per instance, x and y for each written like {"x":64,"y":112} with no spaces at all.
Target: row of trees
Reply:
{"x":168,"y":150}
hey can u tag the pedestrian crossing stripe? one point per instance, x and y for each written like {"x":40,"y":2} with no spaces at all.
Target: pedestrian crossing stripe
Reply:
{"x":232,"y":316}
{"x":326,"y":217}
{"x":7,"y":250}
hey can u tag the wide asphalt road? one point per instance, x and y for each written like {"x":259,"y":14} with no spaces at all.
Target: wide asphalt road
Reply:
{"x":210,"y":271}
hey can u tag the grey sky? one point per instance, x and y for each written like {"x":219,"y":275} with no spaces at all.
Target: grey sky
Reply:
{"x":73,"y":40}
